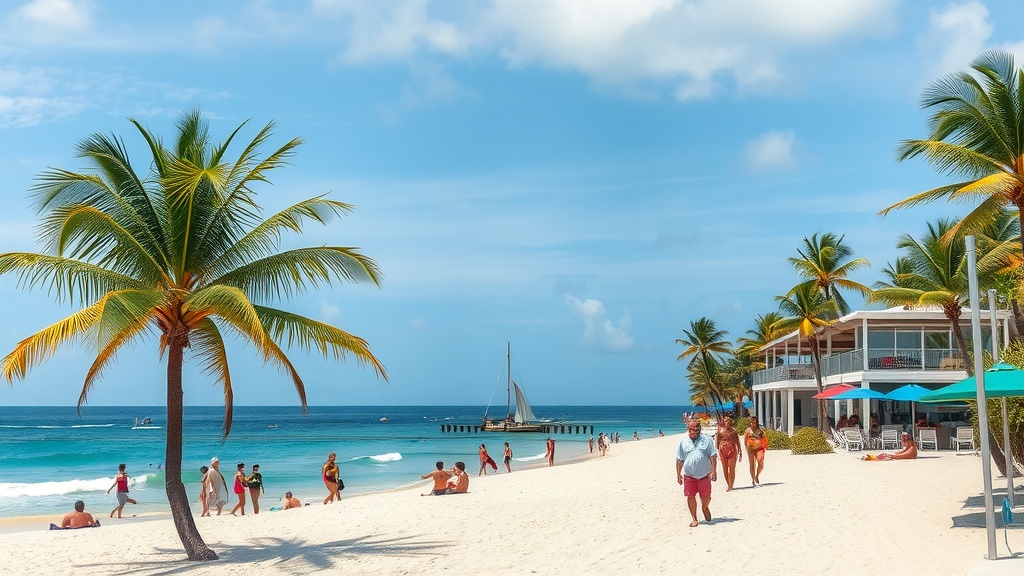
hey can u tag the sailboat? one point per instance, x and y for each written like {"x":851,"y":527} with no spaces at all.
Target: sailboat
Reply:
{"x":523,"y":420}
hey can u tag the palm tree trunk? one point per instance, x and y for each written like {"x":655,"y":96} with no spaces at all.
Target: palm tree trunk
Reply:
{"x":812,"y":341}
{"x":185,"y":524}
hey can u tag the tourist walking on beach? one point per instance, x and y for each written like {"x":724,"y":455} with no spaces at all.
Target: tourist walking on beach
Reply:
{"x":755,"y":440}
{"x":695,"y":469}
{"x":506,"y":457}
{"x":440,"y":477}
{"x":590,"y":444}
{"x":330,"y":474}
{"x":217,"y":488}
{"x":551,"y":451}
{"x":254,"y":482}
{"x":203,"y":487}
{"x":727,"y":442}
{"x":121,"y":483}
{"x":485,"y":459}
{"x":239,"y":488}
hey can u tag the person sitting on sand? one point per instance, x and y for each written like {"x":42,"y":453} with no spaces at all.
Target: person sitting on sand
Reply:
{"x":77,"y":519}
{"x":459,"y":482}
{"x":440,"y":477}
{"x":909,"y":451}
{"x":290,"y":501}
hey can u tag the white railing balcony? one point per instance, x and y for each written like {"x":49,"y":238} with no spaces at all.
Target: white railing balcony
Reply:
{"x":784,"y":372}
{"x":852,"y":361}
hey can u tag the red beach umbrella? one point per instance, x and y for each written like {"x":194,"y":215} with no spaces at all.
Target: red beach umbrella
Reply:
{"x":830,"y":392}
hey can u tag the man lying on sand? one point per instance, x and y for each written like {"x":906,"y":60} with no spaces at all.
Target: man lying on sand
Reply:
{"x":291,"y":501}
{"x":77,"y":519}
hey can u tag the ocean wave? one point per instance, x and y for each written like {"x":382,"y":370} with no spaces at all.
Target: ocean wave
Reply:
{"x":531,"y":458}
{"x":389,"y":457}
{"x":51,"y":426}
{"x":18,"y":489}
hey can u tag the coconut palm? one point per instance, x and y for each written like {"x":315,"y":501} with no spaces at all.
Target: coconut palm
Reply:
{"x":975,"y":135}
{"x":764,"y":331}
{"x":824,"y":259}
{"x":892,"y":272}
{"x":183,"y":253}
{"x":806,"y":310}
{"x":704,"y":342}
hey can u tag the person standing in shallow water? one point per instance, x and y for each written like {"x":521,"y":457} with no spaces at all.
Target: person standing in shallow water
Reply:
{"x":330,"y":475}
{"x":551,"y":451}
{"x":506,"y":457}
{"x":121,"y":482}
{"x":727,"y":442}
{"x":255,"y":484}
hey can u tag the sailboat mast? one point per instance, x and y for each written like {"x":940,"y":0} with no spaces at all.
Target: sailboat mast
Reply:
{"x":508,"y":387}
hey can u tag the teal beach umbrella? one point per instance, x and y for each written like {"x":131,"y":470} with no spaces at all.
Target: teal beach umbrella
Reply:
{"x":1001,"y":381}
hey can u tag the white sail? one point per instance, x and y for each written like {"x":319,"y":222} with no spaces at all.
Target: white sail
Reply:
{"x":523,"y":411}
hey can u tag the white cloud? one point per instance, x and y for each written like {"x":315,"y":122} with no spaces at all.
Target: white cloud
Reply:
{"x":46,"y":20}
{"x":329,"y":311}
{"x":429,"y":83}
{"x":600,"y":333}
{"x":772,"y":150}
{"x":954,"y":38}
{"x":692,"y":46}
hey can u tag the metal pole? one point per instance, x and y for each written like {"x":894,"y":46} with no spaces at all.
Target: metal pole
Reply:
{"x":979,"y":378}
{"x":1007,"y":450}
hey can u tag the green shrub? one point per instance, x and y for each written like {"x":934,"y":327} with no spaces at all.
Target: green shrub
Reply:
{"x":777,"y":440}
{"x":741,"y":425}
{"x":809,"y":441}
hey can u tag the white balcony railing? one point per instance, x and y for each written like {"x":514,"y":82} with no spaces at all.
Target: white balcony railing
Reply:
{"x":853,"y":361}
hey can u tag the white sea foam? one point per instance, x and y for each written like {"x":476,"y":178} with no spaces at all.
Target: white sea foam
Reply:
{"x":531,"y":458}
{"x":50,"y":426}
{"x":17,"y":489}
{"x":389,"y":457}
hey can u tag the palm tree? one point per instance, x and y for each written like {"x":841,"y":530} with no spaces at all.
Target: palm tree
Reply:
{"x":806,"y":310}
{"x":704,"y":341}
{"x":892,"y":272}
{"x":184,"y":254}
{"x":764,"y":331}
{"x":824,"y":260}
{"x":938,"y":278}
{"x":976,"y":136}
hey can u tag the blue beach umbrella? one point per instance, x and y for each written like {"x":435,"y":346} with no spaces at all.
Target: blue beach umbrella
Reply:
{"x":859,"y":394}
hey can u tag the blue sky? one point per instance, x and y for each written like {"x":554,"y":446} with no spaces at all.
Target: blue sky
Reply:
{"x":582,"y":178}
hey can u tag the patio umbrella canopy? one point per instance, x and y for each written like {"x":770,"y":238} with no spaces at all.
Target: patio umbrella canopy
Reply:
{"x":830,"y":392}
{"x":908,"y":393}
{"x":859,"y":394}
{"x":1001,"y":381}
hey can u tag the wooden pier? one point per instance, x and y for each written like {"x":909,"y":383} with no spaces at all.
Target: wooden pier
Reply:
{"x":553,"y":428}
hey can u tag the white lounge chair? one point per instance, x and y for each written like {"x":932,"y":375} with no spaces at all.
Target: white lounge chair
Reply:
{"x":854,"y":439}
{"x":927,"y":436}
{"x":964,"y":437}
{"x":890,"y":438}
{"x":837,"y":439}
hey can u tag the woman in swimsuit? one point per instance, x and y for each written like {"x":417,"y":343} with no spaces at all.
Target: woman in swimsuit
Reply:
{"x":255,"y":484}
{"x":239,"y":488}
{"x":755,"y":440}
{"x":727,"y":442}
{"x":121,"y":482}
{"x":507,"y":457}
{"x":330,"y":475}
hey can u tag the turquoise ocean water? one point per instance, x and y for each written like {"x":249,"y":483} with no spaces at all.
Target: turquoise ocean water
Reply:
{"x":52,"y":456}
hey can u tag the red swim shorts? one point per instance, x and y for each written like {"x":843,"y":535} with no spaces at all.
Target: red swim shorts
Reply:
{"x":693,"y":486}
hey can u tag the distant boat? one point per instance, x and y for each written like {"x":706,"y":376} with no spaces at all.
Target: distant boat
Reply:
{"x":144,"y":424}
{"x":384,"y":419}
{"x":271,"y":426}
{"x":523,"y":420}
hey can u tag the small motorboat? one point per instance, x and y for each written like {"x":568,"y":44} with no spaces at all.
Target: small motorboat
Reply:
{"x":384,"y":419}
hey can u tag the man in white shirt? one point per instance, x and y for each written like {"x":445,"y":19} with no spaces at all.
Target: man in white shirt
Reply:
{"x":695,"y":469}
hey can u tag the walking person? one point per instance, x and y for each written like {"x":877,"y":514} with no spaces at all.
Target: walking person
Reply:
{"x":255,"y":484}
{"x":727,"y":442}
{"x":755,"y":440}
{"x":695,"y":470}
{"x":551,"y":451}
{"x":217,"y":488}
{"x":506,"y":457}
{"x":485,"y":459}
{"x":590,"y":443}
{"x":203,"y":489}
{"x":330,"y":472}
{"x":239,"y":488}
{"x":121,"y":482}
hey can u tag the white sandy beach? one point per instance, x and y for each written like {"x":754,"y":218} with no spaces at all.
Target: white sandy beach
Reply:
{"x":621,"y":514}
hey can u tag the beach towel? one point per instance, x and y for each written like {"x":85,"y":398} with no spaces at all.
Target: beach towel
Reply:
{"x":55,"y":527}
{"x":491,"y":462}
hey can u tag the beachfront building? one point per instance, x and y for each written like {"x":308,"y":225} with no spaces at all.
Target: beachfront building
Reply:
{"x":877,"y":349}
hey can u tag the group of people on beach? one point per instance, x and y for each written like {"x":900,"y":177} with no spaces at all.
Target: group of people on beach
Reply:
{"x":213,"y":493}
{"x":697,"y":460}
{"x":454,"y":481}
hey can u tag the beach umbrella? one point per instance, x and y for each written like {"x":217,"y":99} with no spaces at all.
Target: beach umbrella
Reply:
{"x":859,"y":394}
{"x":830,"y":392}
{"x":910,"y":393}
{"x":1001,"y":381}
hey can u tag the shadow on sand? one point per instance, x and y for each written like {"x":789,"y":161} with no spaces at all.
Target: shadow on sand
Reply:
{"x":292,"y":555}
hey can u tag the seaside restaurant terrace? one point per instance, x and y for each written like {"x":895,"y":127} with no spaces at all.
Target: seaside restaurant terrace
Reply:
{"x":877,"y":349}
